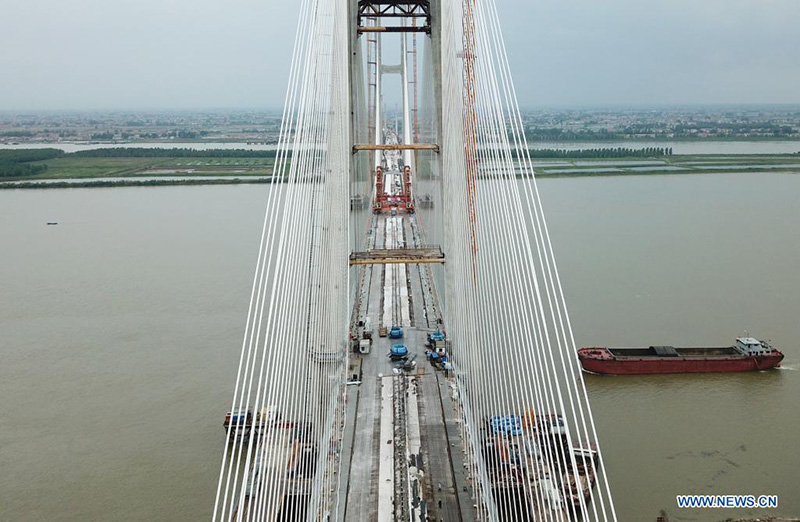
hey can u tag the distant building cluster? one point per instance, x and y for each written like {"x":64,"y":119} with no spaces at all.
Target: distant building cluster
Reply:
{"x":662,"y":124}
{"x":130,"y":126}
{"x":262,"y":127}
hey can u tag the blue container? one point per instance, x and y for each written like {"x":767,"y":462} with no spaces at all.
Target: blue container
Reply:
{"x":506,"y":425}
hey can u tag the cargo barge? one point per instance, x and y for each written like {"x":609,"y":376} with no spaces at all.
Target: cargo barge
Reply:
{"x":748,"y":354}
{"x":532,"y":466}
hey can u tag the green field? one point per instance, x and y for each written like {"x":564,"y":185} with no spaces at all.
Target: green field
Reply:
{"x":70,"y":167}
{"x":674,"y":164}
{"x":76,"y":167}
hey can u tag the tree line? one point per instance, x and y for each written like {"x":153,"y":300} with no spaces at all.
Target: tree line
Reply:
{"x":17,"y":134}
{"x":618,"y":152}
{"x":128,"y":152}
{"x":19,"y":163}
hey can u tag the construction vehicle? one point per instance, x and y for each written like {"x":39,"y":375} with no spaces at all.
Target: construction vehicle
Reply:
{"x":398,"y":352}
{"x":436,"y":336}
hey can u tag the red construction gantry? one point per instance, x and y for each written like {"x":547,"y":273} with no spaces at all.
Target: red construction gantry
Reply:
{"x":402,"y":201}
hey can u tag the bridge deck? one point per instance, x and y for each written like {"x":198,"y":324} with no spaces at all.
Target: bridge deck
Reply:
{"x":433,"y":437}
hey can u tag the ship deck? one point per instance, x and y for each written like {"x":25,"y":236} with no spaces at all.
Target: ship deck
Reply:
{"x":669,"y":351}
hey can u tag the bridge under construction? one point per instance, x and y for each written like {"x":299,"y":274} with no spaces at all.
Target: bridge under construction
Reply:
{"x":408,"y":354}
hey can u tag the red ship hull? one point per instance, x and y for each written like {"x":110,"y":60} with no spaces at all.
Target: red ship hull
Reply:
{"x":603,"y":361}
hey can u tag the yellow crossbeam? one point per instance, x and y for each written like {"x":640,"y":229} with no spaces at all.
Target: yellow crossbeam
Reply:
{"x":397,"y":256}
{"x":398,"y":146}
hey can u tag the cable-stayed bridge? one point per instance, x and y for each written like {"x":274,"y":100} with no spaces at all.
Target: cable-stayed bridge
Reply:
{"x":408,"y":354}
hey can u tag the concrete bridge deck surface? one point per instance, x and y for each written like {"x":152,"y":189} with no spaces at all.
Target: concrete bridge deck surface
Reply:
{"x":368,"y":482}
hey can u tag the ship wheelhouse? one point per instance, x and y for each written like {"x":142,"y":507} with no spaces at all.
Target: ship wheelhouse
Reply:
{"x":750,"y":346}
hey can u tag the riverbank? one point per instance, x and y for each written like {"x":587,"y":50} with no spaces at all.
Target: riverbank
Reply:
{"x":153,"y":178}
{"x":681,"y":146}
{"x":25,"y":166}
{"x":670,"y":164}
{"x":104,"y":183}
{"x":154,"y":167}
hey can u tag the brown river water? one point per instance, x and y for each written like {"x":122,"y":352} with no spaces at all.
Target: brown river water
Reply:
{"x":120,"y":332}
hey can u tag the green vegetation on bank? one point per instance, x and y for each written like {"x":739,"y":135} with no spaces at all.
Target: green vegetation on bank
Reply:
{"x":100,"y":183}
{"x":34,"y":164}
{"x":663,"y":131}
{"x":25,"y":162}
{"x":588,"y":172}
{"x":673,"y":164}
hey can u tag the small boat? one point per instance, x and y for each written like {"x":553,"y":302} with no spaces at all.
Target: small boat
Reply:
{"x":239,"y":422}
{"x":748,"y":354}
{"x":51,"y":223}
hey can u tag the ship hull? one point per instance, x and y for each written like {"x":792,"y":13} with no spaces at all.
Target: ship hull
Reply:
{"x":612,"y":365}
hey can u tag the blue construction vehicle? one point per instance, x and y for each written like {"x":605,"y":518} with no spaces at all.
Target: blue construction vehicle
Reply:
{"x":398,"y":351}
{"x":396,"y":333}
{"x":437,"y":335}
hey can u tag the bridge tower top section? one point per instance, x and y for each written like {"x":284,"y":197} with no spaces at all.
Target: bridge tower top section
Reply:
{"x":394,"y":10}
{"x":374,"y":19}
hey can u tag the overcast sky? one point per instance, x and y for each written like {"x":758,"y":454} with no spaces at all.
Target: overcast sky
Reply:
{"x":119,"y":54}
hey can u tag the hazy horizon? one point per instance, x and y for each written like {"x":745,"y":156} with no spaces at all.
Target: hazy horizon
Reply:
{"x":553,"y":107}
{"x":178,"y":55}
